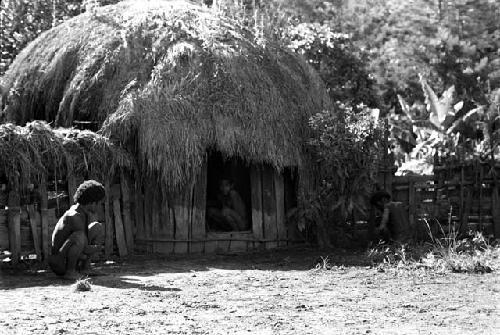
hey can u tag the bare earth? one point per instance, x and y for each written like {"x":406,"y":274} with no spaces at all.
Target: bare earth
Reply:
{"x":261,"y":293}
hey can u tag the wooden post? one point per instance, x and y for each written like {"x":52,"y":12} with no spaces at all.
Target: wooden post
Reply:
{"x":167,"y":222}
{"x":256,"y":194}
{"x":198,"y":224}
{"x":127,"y":217}
{"x":119,"y":231}
{"x":44,"y":216}
{"x":495,"y":196}
{"x":72,"y":184}
{"x":464,"y":224}
{"x":14,"y":203}
{"x":148,"y":207}
{"x":155,"y":211}
{"x":108,"y":242}
{"x":34,"y":223}
{"x":495,"y":210}
{"x":3,"y":196}
{"x":52,"y":219}
{"x":155,"y":215}
{"x":462,"y":194}
{"x":480,"y":213}
{"x":279,"y":187}
{"x":411,"y":204}
{"x":269,"y":207}
{"x":139,"y":208}
{"x":386,"y":154}
{"x":182,"y":207}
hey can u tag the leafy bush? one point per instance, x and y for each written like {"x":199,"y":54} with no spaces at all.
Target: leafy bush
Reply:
{"x":347,"y":144}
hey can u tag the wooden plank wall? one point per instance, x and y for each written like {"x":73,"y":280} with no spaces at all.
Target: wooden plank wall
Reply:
{"x":184,"y":230}
{"x":149,"y":221}
{"x":170,"y":222}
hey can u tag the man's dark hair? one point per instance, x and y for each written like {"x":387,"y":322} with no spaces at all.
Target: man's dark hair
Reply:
{"x":228,"y":180}
{"x":88,"y":192}
{"x":379,"y":195}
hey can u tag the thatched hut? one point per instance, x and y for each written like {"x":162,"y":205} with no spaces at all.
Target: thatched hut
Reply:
{"x":194,"y":97}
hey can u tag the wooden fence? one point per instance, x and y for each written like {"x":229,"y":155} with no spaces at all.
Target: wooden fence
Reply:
{"x":462,"y":197}
{"x":28,"y":217}
{"x":139,"y":217}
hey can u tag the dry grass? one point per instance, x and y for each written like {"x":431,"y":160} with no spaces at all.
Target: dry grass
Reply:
{"x":83,"y":285}
{"x":169,"y":80}
{"x":446,"y":254}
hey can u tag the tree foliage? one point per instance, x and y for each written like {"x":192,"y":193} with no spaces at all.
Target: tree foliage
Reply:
{"x":22,"y":21}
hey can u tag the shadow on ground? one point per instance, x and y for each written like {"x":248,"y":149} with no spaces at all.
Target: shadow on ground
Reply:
{"x":116,"y":274}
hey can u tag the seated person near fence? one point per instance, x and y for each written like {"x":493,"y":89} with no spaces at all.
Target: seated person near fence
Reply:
{"x":388,"y":220}
{"x":229,"y":213}
{"x":75,"y":238}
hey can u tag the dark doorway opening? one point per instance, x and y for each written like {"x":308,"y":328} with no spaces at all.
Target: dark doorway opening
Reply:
{"x":228,"y":194}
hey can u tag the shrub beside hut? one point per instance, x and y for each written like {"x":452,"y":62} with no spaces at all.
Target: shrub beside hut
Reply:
{"x":192,"y":97}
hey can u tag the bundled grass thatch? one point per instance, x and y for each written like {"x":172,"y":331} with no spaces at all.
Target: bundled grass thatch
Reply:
{"x":168,"y":80}
{"x":32,"y":152}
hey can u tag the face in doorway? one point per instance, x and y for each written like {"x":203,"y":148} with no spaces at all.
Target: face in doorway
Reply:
{"x":225,"y":186}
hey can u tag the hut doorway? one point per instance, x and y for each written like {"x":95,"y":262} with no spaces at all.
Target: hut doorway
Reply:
{"x":228,"y":206}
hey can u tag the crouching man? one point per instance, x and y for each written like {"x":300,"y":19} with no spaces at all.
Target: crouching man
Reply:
{"x":75,"y":238}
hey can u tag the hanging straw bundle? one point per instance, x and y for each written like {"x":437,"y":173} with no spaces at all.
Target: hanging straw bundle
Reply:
{"x":32,"y":152}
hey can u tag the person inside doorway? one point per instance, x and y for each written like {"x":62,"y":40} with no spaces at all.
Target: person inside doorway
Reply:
{"x":229,"y":212}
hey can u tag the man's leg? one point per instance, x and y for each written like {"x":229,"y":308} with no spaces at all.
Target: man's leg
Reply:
{"x":74,"y":252}
{"x":233,"y":219}
{"x":217,"y":221}
{"x":64,"y":260}
{"x":96,"y":240}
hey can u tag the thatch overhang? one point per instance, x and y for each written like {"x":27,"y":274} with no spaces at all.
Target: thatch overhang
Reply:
{"x":31,"y":153}
{"x":168,"y":80}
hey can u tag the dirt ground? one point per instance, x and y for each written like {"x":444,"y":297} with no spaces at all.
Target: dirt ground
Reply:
{"x":261,"y":293}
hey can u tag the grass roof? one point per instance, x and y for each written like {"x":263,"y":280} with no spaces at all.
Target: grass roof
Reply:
{"x":169,"y":80}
